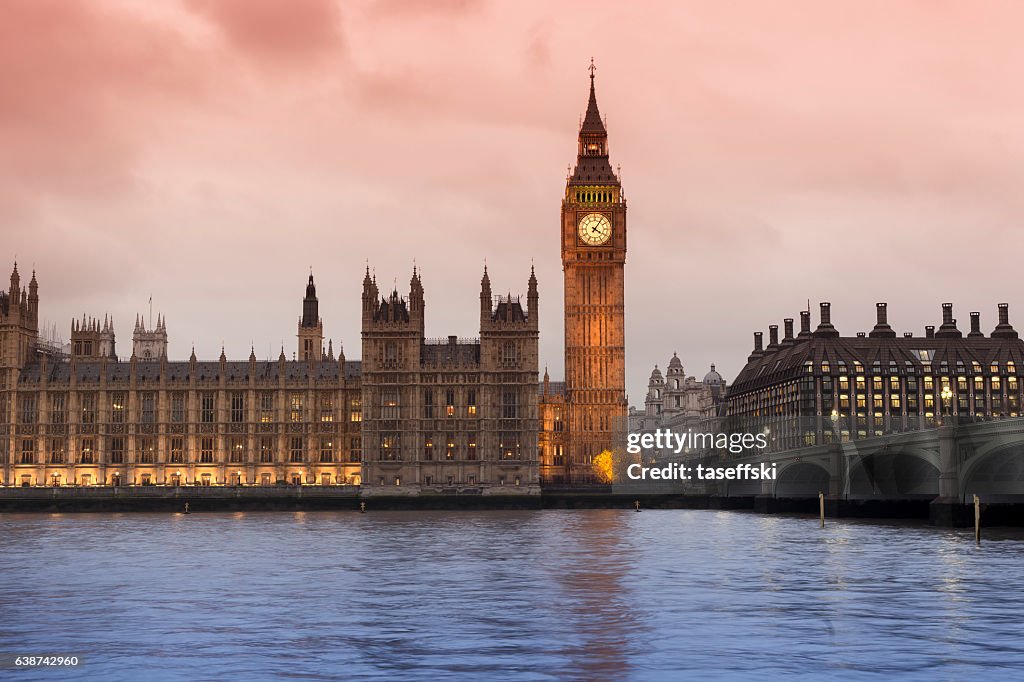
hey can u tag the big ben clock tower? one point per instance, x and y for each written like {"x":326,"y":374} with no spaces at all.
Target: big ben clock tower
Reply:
{"x":593,"y":262}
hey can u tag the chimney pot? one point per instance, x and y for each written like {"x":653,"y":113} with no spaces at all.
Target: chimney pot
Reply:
{"x":947,"y":313}
{"x":805,"y":321}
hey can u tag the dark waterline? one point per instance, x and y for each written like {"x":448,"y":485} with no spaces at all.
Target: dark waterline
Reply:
{"x":530,"y":595}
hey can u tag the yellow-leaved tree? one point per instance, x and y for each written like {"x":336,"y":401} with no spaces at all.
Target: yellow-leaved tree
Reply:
{"x":604,"y":467}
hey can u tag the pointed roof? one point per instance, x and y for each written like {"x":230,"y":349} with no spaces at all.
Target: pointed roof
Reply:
{"x":593,"y":167}
{"x":592,"y":122}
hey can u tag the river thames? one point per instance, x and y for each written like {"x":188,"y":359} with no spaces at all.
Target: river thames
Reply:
{"x":528,"y":595}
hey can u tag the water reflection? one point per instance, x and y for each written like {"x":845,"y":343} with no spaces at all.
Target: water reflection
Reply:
{"x":602,"y":628}
{"x":552,"y":595}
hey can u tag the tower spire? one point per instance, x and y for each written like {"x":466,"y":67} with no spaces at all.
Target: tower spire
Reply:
{"x":592,"y":122}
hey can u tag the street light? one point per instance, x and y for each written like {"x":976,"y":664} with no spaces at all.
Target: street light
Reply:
{"x":947,"y":396}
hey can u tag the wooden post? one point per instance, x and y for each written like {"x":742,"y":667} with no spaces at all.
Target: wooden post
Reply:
{"x":637,"y":503}
{"x":362,"y":507}
{"x":821,"y":507}
{"x":977,"y":520}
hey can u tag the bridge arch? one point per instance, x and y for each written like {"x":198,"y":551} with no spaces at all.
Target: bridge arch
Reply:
{"x":995,"y":473}
{"x":895,"y":472}
{"x":802,"y":479}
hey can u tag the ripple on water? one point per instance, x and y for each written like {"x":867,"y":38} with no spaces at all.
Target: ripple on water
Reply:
{"x":530,"y":595}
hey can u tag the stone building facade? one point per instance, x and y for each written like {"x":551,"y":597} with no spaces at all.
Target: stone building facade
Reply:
{"x":90,"y":419}
{"x":449,"y":415}
{"x":679,"y":402}
{"x":411,"y":415}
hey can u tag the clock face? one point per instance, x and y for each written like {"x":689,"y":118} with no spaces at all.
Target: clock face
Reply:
{"x":595,"y":229}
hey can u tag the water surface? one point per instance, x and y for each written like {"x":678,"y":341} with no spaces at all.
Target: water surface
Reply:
{"x":528,"y":595}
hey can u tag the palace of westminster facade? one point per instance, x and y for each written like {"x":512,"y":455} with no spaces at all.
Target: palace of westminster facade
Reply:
{"x":411,"y":415}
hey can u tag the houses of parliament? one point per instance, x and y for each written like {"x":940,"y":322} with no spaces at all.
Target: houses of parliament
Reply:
{"x":410,"y":415}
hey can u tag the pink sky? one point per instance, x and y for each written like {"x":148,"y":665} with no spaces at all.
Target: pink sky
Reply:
{"x":207,"y":153}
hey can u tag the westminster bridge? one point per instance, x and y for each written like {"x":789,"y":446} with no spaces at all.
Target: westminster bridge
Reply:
{"x":945,"y":465}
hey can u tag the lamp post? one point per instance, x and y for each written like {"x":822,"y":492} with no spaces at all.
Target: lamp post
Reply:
{"x":842,"y":453}
{"x":947,"y":395}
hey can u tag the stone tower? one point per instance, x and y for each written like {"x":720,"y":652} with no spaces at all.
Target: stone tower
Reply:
{"x":311,"y":328}
{"x":593,"y":240}
{"x":91,"y":341}
{"x":655,"y":398}
{"x":149,"y":344}
{"x":19,"y":322}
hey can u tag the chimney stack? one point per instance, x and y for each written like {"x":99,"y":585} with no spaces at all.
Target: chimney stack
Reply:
{"x":948,"y":328}
{"x":805,"y":324}
{"x":773,"y":336}
{"x":758,"y":350}
{"x":882,"y":328}
{"x":975,"y":326}
{"x":825,"y":329}
{"x":929,"y":332}
{"x":787,"y":338}
{"x":1004,"y":330}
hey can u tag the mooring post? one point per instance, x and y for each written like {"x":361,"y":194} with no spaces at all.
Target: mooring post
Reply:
{"x":977,"y":520}
{"x":637,"y":504}
{"x":821,"y":507}
{"x":362,"y":507}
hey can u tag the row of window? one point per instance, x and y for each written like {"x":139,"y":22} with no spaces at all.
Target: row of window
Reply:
{"x":117,"y":412}
{"x":325,"y":450}
{"x":909,"y":367}
{"x":390,"y":404}
{"x":448,"y":447}
{"x":966,"y":393}
{"x":448,"y":480}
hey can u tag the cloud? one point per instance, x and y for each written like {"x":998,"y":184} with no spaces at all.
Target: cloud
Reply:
{"x":79,"y":83}
{"x":291,"y":33}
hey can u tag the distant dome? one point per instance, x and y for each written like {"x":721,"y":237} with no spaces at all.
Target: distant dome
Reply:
{"x":656,"y":377}
{"x":713,"y":378}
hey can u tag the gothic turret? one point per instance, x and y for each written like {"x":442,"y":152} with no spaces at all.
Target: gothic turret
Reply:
{"x":91,"y":340}
{"x":532,"y":298}
{"x":311,"y":328}
{"x":149,"y":344}
{"x":486,"y":298}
